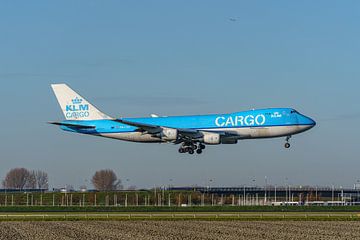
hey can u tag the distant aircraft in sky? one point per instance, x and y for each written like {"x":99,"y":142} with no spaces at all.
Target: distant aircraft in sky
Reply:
{"x":191,"y":132}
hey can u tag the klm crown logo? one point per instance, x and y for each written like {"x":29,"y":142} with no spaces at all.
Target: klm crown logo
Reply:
{"x":77,"y":100}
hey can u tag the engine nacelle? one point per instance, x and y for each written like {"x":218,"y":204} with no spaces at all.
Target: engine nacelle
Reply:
{"x":211,"y":138}
{"x":229,"y":141}
{"x":169,"y":134}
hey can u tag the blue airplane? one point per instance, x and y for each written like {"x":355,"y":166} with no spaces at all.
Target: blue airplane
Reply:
{"x":191,"y":132}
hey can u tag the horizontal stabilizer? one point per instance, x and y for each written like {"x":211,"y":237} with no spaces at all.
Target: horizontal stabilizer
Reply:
{"x":71,"y":125}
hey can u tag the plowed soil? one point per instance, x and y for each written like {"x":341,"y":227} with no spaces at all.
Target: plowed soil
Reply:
{"x":180,"y":230}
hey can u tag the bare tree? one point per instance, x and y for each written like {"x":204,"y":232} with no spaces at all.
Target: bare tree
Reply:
{"x":106,"y":180}
{"x":42,"y":179}
{"x":31,"y":180}
{"x":20,"y":178}
{"x":16,"y":178}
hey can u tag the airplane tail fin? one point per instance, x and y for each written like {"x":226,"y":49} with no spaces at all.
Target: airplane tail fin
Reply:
{"x":74,"y":106}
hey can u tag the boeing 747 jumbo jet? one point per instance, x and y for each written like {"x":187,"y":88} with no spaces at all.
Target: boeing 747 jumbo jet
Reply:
{"x":192,"y":132}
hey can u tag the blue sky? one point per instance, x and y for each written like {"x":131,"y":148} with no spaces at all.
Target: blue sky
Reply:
{"x":133,"y":58}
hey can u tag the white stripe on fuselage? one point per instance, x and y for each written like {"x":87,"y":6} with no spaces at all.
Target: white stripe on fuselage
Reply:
{"x":244,"y":133}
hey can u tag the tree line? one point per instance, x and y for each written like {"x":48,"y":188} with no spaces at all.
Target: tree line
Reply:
{"x":22,"y":178}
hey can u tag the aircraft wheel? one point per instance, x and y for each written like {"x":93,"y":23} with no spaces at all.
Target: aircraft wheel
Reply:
{"x":202,"y":146}
{"x":181,"y":150}
{"x":194,"y":147}
{"x":199,"y":151}
{"x":287,"y":145}
{"x":191,"y":151}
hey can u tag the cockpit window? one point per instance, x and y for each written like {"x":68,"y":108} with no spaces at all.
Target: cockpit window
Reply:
{"x":293,"y":111}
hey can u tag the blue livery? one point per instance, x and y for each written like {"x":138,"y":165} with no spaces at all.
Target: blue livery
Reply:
{"x":192,"y":132}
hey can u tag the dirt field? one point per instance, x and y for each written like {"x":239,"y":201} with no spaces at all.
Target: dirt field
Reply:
{"x":180,"y":230}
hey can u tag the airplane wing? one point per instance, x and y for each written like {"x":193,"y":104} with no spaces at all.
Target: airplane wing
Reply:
{"x":153,"y":129}
{"x":185,"y":134}
{"x":143,"y":127}
{"x":71,"y":125}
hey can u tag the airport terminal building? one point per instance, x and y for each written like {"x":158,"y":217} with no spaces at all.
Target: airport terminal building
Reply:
{"x":289,"y":195}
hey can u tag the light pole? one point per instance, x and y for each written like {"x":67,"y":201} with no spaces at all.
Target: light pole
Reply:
{"x":275,"y":192}
{"x":265,"y":199}
{"x":155,"y":198}
{"x":358,"y":188}
{"x":342,"y":196}
{"x":244,"y":195}
{"x":289,"y":193}
{"x":286,"y":189}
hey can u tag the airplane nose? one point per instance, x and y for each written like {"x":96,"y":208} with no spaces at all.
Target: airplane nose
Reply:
{"x":312,"y":123}
{"x":304,"y":120}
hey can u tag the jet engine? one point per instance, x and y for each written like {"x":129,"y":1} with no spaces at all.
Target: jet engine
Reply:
{"x":169,"y":134}
{"x":211,"y":138}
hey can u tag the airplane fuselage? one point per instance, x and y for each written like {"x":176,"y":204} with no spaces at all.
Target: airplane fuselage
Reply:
{"x":192,"y":132}
{"x":263,"y":123}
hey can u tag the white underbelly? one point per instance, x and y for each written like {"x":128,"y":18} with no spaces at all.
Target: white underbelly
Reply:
{"x":274,"y":131}
{"x":264,"y":132}
{"x":132,"y":137}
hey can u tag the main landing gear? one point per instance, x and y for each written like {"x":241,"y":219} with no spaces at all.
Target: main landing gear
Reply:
{"x":191,"y":148}
{"x":287,"y":144}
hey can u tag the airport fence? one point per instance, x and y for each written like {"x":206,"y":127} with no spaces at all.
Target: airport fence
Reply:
{"x":146,"y":199}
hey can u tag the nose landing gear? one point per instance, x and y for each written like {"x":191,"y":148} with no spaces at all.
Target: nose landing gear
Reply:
{"x":287,"y":144}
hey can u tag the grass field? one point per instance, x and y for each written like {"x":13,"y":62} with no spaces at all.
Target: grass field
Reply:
{"x":226,"y":208}
{"x":243,"y":216}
